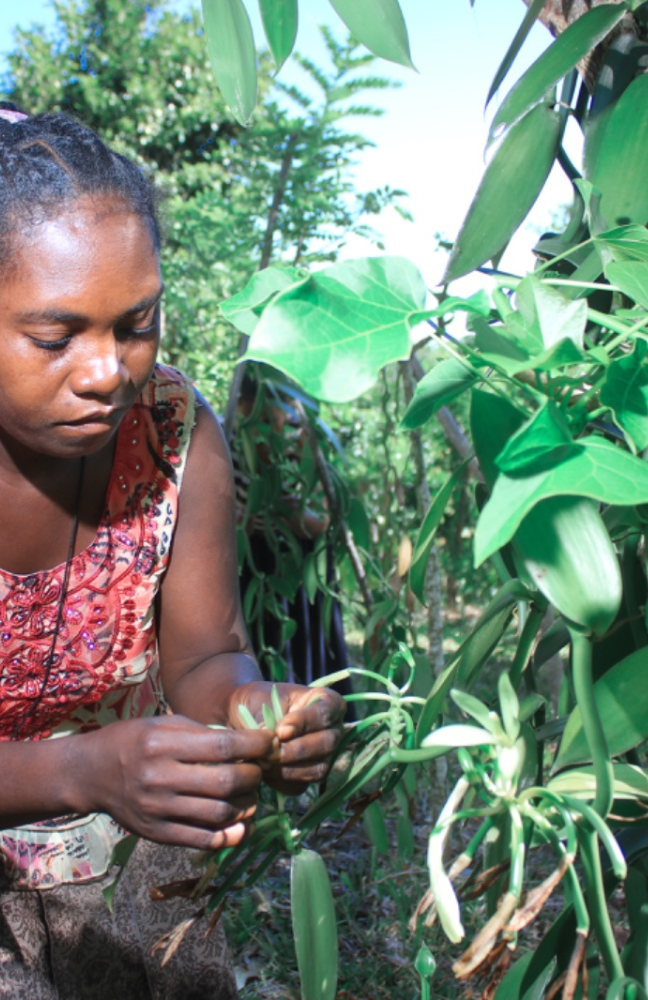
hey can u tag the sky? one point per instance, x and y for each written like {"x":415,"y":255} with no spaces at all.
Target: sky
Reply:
{"x":430,"y":142}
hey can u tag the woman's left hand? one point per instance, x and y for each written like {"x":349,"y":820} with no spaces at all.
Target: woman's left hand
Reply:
{"x":308,"y":733}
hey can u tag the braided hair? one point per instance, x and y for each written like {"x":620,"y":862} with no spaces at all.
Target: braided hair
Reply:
{"x":49,"y":161}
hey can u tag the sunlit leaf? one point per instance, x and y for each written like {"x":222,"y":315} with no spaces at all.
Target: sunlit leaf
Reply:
{"x":631,"y":277}
{"x":280,"y":25}
{"x":512,"y":182}
{"x":520,"y":37}
{"x":537,"y":439}
{"x":593,"y":467}
{"x":334,"y":331}
{"x":230,"y":44}
{"x":427,"y":534}
{"x":572,"y":45}
{"x":563,"y":541}
{"x":625,"y":391}
{"x":447,"y":380}
{"x":622,"y":699}
{"x":378,"y":24}
{"x":314,"y":926}
{"x":510,"y":706}
{"x":545,"y":317}
{"x":244,"y":309}
{"x":625,"y":243}
{"x":630,"y":782}
{"x":621,"y":163}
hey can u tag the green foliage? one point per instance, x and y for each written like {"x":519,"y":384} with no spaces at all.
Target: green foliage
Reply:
{"x":377,"y":24}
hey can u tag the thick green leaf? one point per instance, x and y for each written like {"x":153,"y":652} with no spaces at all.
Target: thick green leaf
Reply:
{"x":621,"y":165}
{"x":509,"y":706}
{"x":280,"y":25}
{"x":427,"y":534}
{"x":494,"y":420}
{"x":521,"y":34}
{"x":625,"y":391}
{"x":376,"y":828}
{"x":334,"y":331}
{"x":545,"y":317}
{"x":566,"y":550}
{"x":631,"y":277}
{"x":511,"y":987}
{"x":562,"y":55}
{"x":625,"y":243}
{"x":230,"y":44}
{"x":622,"y":701}
{"x":480,"y":712}
{"x":447,"y":380}
{"x":120,"y":856}
{"x":593,"y":467}
{"x":512,"y":182}
{"x":629,"y":782}
{"x":545,"y":432}
{"x":378,"y":24}
{"x":314,"y":926}
{"x":244,"y":309}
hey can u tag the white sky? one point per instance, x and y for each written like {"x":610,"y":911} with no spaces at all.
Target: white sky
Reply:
{"x":430,"y":142}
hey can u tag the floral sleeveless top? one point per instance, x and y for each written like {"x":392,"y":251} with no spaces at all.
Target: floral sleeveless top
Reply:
{"x":106,"y":664}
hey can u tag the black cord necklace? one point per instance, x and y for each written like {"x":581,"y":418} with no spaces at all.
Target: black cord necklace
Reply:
{"x":61,"y":606}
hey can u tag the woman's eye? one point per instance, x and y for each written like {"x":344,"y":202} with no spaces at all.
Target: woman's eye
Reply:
{"x":52,"y":345}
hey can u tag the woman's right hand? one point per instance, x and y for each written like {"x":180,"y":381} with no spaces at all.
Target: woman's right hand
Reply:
{"x":173,"y":780}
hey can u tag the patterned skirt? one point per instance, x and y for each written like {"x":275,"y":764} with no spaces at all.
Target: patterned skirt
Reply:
{"x":64,"y":943}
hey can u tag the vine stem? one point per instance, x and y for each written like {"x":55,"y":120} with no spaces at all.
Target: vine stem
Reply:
{"x":592,"y":727}
{"x":595,"y":893}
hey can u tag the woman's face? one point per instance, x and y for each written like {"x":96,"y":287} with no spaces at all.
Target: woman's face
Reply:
{"x":79,"y":327}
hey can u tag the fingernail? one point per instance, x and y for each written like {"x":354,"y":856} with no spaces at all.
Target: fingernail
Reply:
{"x":287,"y":732}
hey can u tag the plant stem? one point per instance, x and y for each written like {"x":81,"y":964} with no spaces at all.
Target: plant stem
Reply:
{"x":597,"y":902}
{"x":592,"y":727}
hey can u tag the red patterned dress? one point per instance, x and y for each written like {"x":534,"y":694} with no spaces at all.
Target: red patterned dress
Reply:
{"x":106,"y":663}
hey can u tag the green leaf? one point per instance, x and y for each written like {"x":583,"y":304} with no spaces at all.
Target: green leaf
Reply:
{"x":277,"y":707}
{"x":121,"y":853}
{"x":528,"y":21}
{"x":625,"y":243}
{"x":473,"y":652}
{"x":510,"y":707}
{"x":592,"y":467}
{"x":472,"y":706}
{"x":447,"y":380}
{"x":230,"y":44}
{"x":494,"y":420}
{"x":631,"y":277}
{"x":512,"y":182}
{"x":334,"y":331}
{"x":376,"y":828}
{"x":511,"y":987}
{"x":572,"y":45}
{"x":565,"y":541}
{"x":314,"y":926}
{"x":378,"y":24}
{"x":280,"y":25}
{"x":546,"y":317}
{"x":405,"y":837}
{"x":621,"y":696}
{"x":629,"y":782}
{"x":269,"y":718}
{"x":621,"y":165}
{"x":539,"y":437}
{"x":247,"y":718}
{"x":244,"y":309}
{"x":625,"y":391}
{"x":562,"y":543}
{"x":427,"y":533}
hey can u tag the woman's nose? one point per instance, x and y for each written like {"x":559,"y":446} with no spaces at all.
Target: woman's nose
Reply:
{"x":101,"y":371}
